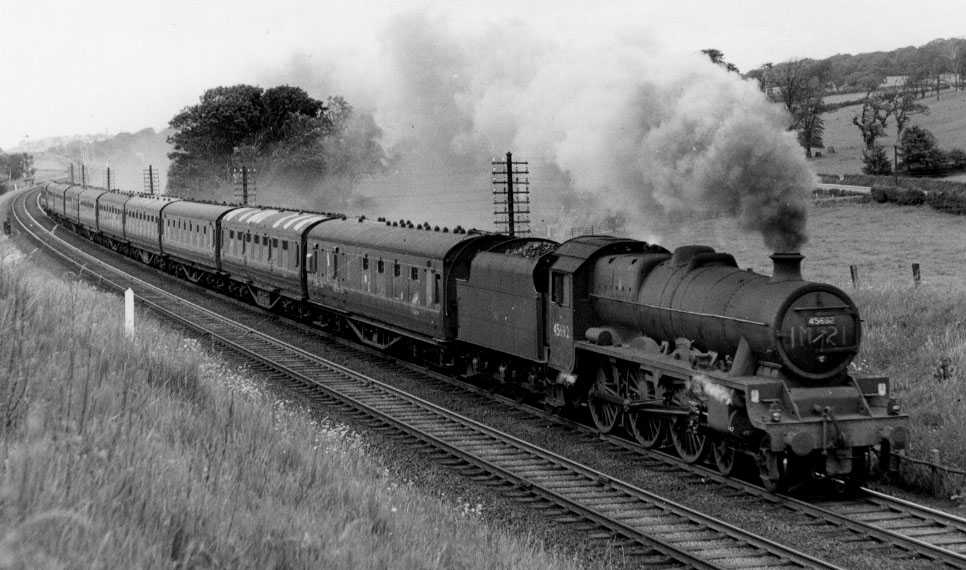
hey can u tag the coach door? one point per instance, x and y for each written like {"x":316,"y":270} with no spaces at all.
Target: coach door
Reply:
{"x":560,"y":315}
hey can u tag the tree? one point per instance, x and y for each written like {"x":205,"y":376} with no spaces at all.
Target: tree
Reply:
{"x":871,"y":124}
{"x":717,"y":57}
{"x":800,"y":86}
{"x":920,"y":151}
{"x":811,"y":126}
{"x":205,"y":135}
{"x":281,"y":104}
{"x":876,"y":161}
{"x":16,"y":165}
{"x":901,"y":105}
{"x":762,"y":75}
{"x":208,"y":136}
{"x":959,"y":64}
{"x":294,"y":142}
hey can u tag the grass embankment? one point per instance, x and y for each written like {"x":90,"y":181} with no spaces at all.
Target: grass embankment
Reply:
{"x":917,"y":337}
{"x":145,"y":453}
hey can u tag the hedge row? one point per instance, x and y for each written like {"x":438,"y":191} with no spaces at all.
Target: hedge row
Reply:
{"x":943,"y":195}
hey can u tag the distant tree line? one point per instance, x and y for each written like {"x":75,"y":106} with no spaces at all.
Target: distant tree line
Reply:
{"x":924,"y":67}
{"x":290,"y":139}
{"x":14,"y":166}
{"x":801,"y":86}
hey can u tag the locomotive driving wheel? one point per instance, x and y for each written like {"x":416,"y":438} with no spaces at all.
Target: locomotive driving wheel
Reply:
{"x":725,"y":456}
{"x":647,"y":428}
{"x":601,"y":399}
{"x":772,"y":466}
{"x":690,"y":440}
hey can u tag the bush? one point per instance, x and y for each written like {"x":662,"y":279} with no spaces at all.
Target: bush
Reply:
{"x":956,"y":158}
{"x":947,"y":201}
{"x":898,"y":195}
{"x":876,"y":161}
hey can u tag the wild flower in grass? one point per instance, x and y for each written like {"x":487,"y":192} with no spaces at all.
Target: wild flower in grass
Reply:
{"x":469,"y":509}
{"x":860,"y":366}
{"x":945,"y":369}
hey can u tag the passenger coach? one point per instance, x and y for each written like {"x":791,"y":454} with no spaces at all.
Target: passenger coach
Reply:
{"x":391,"y":282}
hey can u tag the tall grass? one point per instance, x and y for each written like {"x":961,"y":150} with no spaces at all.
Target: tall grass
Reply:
{"x":917,"y":336}
{"x":144,"y":453}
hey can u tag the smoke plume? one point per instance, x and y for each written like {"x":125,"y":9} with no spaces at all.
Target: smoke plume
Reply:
{"x":615,"y":133}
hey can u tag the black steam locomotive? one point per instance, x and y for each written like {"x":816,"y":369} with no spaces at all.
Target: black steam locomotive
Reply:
{"x":682,"y":349}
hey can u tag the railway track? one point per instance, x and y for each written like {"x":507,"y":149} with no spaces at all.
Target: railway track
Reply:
{"x":869,"y":521}
{"x":652,"y":530}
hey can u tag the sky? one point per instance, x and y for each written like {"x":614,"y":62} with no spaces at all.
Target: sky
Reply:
{"x":106,"y":66}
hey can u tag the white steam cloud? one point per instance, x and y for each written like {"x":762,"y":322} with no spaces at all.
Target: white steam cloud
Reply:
{"x":615,"y":133}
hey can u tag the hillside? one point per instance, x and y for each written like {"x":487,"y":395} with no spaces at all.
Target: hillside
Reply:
{"x":946,"y":120}
{"x":855,"y":72}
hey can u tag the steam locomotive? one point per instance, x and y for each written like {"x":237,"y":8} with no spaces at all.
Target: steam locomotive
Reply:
{"x":680,"y":349}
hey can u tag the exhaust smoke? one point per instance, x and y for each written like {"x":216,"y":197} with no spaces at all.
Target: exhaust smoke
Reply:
{"x":616,"y":133}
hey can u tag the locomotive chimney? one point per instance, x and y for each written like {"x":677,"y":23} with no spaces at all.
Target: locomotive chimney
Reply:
{"x":788,"y":267}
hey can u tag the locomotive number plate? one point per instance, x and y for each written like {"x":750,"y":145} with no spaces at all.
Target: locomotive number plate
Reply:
{"x":821,"y":321}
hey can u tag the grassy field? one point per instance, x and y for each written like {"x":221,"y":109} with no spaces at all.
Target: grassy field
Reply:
{"x":946,"y":120}
{"x":908,"y":330}
{"x":882,"y":240}
{"x":146,"y":453}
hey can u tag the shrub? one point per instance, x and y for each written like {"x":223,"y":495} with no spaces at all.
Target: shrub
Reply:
{"x":956,"y":158}
{"x":876,"y":161}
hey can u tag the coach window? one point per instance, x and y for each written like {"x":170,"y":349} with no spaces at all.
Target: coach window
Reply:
{"x":436,"y":282}
{"x":414,"y":273}
{"x":381,"y":267}
{"x":335,"y":264}
{"x":395,"y":269}
{"x":256,"y":240}
{"x":298,"y":262}
{"x":365,"y":262}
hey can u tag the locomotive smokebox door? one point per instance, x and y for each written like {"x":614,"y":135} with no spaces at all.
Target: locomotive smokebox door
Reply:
{"x":561,"y":321}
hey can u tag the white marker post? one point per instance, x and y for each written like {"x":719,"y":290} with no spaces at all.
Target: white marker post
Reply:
{"x":129,"y":312}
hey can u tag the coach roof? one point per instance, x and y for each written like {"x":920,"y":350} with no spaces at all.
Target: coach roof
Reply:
{"x":274,"y":221}
{"x":197,"y":210}
{"x":378,"y":236}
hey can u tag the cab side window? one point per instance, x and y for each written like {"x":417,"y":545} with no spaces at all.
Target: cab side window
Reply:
{"x":557,"y":288}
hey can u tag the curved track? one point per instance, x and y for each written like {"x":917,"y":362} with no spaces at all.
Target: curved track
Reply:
{"x":653,"y":530}
{"x":870,"y":521}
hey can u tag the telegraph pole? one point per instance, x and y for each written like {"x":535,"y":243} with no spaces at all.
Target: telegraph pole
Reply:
{"x":150,"y":180}
{"x":244,"y":178}
{"x":511,"y":179}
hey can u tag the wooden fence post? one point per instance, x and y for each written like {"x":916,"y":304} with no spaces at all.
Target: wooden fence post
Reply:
{"x":855,"y":276}
{"x":937,"y":482}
